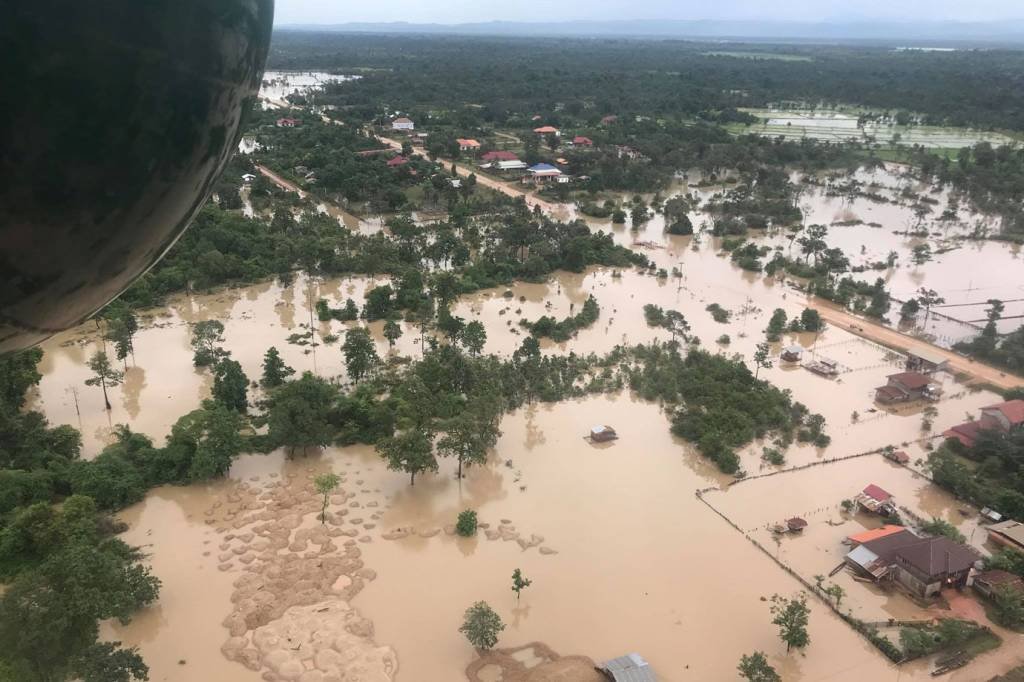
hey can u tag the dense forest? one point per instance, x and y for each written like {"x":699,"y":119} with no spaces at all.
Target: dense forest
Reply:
{"x":570,"y":78}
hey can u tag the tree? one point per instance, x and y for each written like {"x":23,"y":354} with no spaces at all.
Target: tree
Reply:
{"x":810,"y":320}
{"x":118,"y":333}
{"x":18,"y":372}
{"x":676,"y":324}
{"x":909,"y":309}
{"x":107,"y":662}
{"x":519,"y":582}
{"x":677,"y":219}
{"x":103,"y":374}
{"x":937,"y":527}
{"x":205,"y":337}
{"x":411,"y":451}
{"x":206,"y":441}
{"x":230,"y":385}
{"x":274,"y":370}
{"x":835,"y":591}
{"x":360,"y":353}
{"x":392,"y":332}
{"x":791,"y":616}
{"x":755,"y":668}
{"x":1008,"y":603}
{"x":481,"y":626}
{"x":928,"y":298}
{"x":299,"y":413}
{"x":761,"y":355}
{"x":325,"y":485}
{"x":466,"y":524}
{"x":921,"y":254}
{"x":468,"y":437}
{"x":776,"y":325}
{"x":474,"y":337}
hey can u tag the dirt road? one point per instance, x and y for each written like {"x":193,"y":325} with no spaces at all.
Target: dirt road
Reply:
{"x":902,"y":342}
{"x":279,"y":181}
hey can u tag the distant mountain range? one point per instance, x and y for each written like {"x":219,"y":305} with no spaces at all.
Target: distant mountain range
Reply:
{"x":913,"y":33}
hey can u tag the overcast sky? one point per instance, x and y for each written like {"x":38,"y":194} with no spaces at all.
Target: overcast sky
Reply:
{"x":460,"y":11}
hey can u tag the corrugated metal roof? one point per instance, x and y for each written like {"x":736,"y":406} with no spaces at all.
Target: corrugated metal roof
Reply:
{"x":629,"y":668}
{"x":928,"y":355}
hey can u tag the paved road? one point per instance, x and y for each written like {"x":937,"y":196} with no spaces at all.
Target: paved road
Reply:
{"x":899,"y":341}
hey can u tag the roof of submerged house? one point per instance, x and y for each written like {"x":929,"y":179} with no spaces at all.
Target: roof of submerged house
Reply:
{"x":877,"y":493}
{"x":628,"y":668}
{"x":928,"y":355}
{"x":1013,"y":410}
{"x":911,"y":380}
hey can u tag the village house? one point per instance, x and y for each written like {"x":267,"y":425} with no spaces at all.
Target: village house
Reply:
{"x":1002,"y":417}
{"x":924,"y":566}
{"x":1008,"y":533}
{"x":876,"y":500}
{"x":542,"y":172}
{"x":988,"y":582}
{"x":468,"y":145}
{"x":396,"y":161}
{"x":547,"y":130}
{"x":512,"y":165}
{"x":628,"y":668}
{"x":823,"y":366}
{"x":792,"y":353}
{"x":580,"y":141}
{"x":403,"y":123}
{"x":926,"y":361}
{"x":627,"y":152}
{"x":898,"y":456}
{"x":248,"y":177}
{"x":602,"y":434}
{"x":904,"y":387}
{"x":287,"y":122}
{"x":873,"y":534}
{"x":418,"y":139}
{"x":498,"y":155}
{"x":608,"y":120}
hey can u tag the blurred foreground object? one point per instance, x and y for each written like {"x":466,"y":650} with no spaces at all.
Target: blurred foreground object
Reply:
{"x":118,"y":117}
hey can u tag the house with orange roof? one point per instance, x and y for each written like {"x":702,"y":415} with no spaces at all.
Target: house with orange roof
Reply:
{"x":547,"y":130}
{"x":873,"y":534}
{"x":468,"y":145}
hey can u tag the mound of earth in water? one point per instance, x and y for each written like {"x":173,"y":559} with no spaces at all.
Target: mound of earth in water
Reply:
{"x":533,"y":662}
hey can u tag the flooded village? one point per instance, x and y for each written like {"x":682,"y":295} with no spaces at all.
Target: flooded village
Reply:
{"x":648,"y":556}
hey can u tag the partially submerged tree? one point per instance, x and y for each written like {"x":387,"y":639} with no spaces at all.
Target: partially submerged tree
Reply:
{"x":205,"y":337}
{"x":481,"y":626}
{"x":325,"y":485}
{"x":791,"y":615}
{"x":360,"y":353}
{"x":230,"y":385}
{"x":392,"y":332}
{"x":761,"y":358}
{"x":756,"y":668}
{"x":299,"y":413}
{"x":519,"y":582}
{"x":411,"y":451}
{"x":275,"y":372}
{"x":466,"y":524}
{"x":104,"y":374}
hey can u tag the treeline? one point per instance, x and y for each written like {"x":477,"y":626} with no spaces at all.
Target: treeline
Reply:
{"x":224,"y":247}
{"x":563,"y":330}
{"x":565,"y":78}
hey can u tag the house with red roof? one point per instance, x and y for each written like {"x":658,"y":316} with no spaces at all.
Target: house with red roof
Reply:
{"x":396,"y":161}
{"x":580,"y":141}
{"x":1002,"y":417}
{"x":287,"y":122}
{"x":498,"y":155}
{"x":904,"y":387}
{"x":608,"y":120}
{"x":876,"y":500}
{"x":547,"y":130}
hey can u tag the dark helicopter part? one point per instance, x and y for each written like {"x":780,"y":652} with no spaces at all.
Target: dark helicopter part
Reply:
{"x":118,"y":117}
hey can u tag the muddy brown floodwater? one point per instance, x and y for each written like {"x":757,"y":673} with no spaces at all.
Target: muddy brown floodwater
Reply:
{"x":623,"y":555}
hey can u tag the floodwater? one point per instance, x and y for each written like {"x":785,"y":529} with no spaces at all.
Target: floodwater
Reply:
{"x":623,"y":555}
{"x":279,"y":84}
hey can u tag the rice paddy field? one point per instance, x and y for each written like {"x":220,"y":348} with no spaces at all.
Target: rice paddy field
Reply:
{"x":836,"y":126}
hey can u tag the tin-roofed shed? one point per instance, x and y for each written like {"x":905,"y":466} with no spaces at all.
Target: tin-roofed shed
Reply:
{"x":628,"y":668}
